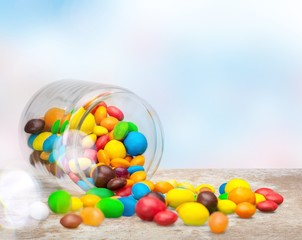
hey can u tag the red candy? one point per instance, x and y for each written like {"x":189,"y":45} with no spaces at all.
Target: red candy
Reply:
{"x":124,"y":191}
{"x":147,"y":207}
{"x":267,"y":206}
{"x":264,"y":191}
{"x":276,"y":197}
{"x":101,"y":142}
{"x":115,"y":112}
{"x":165,"y":218}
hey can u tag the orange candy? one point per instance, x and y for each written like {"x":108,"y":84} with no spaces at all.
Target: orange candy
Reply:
{"x":109,"y":123}
{"x":245,"y":210}
{"x":138,"y":160}
{"x":103,"y":156}
{"x":242,"y":194}
{"x":92,"y":216}
{"x":100,"y":114}
{"x":138,"y":176}
{"x":149,"y":184}
{"x":119,"y":162}
{"x":89,"y":200}
{"x":163,"y":187}
{"x":52,"y":115}
{"x":218,"y":222}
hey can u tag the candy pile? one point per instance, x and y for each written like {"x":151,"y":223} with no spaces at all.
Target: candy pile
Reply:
{"x":165,"y":201}
{"x":109,"y":150}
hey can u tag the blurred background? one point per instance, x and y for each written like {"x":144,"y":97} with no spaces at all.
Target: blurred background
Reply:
{"x":224,"y":76}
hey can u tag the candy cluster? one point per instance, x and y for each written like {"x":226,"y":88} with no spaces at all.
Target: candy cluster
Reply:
{"x":164,"y":202}
{"x":97,"y":143}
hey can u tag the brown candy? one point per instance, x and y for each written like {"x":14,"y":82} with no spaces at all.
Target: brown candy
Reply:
{"x":34,"y":126}
{"x":102,"y":175}
{"x":157,"y":195}
{"x":208,"y":199}
{"x":116,"y":183}
{"x":71,"y":220}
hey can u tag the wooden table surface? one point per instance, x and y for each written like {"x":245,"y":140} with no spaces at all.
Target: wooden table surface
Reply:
{"x":285,"y":223}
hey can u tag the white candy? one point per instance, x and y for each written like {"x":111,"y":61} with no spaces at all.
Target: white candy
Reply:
{"x":84,"y":163}
{"x":38,"y":211}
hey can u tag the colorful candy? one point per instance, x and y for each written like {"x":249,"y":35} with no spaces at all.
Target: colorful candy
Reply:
{"x":193,"y":213}
{"x":242,"y":194}
{"x":129,"y":205}
{"x":177,"y":196}
{"x":147,"y":207}
{"x":139,"y":190}
{"x":218,"y":222}
{"x":245,"y":210}
{"x":34,"y":126}
{"x":165,"y":218}
{"x":267,"y":206}
{"x":92,"y":216}
{"x":226,"y":206}
{"x":234,"y":183}
{"x":38,"y":211}
{"x":71,"y":220}
{"x":112,"y":208}
{"x":90,"y":200}
{"x":59,"y":201}
{"x":101,"y":192}
{"x":208,"y":199}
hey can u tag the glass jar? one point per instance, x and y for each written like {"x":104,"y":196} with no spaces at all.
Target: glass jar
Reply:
{"x":77,"y":131}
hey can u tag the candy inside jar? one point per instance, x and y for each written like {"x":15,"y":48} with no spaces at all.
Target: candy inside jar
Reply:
{"x":92,"y":134}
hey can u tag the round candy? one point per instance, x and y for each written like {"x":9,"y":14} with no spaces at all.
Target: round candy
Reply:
{"x":186,"y":185}
{"x":71,"y":220}
{"x":115,"y":112}
{"x":101,"y":192}
{"x":116,"y":183}
{"x":138,"y":176}
{"x":101,"y":142}
{"x":76,"y":204}
{"x":102,"y":175}
{"x":90,"y":200}
{"x":135,"y":168}
{"x":267,"y":206}
{"x":245,"y":210}
{"x":39,"y":140}
{"x":135,"y":143}
{"x":49,"y":143}
{"x":139,"y":190}
{"x":259,"y":198}
{"x":103,"y":157}
{"x":38,"y":210}
{"x":147,"y":207}
{"x":197,"y":189}
{"x":138,"y":160}
{"x":59,"y":201}
{"x":132,"y":127}
{"x":226,"y":206}
{"x":222,"y":188}
{"x":218,"y":222}
{"x":115,"y":149}
{"x":177,"y":196}
{"x":112,"y":208}
{"x":242,"y":194}
{"x":165,"y":218}
{"x":119,"y":162}
{"x":157,"y":195}
{"x":264,"y":191}
{"x":193,"y":213}
{"x":276,"y":197}
{"x":100,"y":114}
{"x":208,"y":199}
{"x":129,"y":205}
{"x":34,"y":126}
{"x":121,"y":172}
{"x":92,"y":216}
{"x":223,"y":196}
{"x":124,"y":192}
{"x":52,"y":115}
{"x":120,"y":130}
{"x":99,"y":130}
{"x":109,"y":123}
{"x":236,"y":182}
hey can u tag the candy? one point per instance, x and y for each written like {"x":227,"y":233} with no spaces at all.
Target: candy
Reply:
{"x":186,"y":185}
{"x":99,"y":131}
{"x":89,"y":141}
{"x":132,"y":127}
{"x":116,"y":183}
{"x":115,"y":112}
{"x":102,"y":175}
{"x":115,"y":149}
{"x":87,"y":125}
{"x":218,"y":222}
{"x":39,"y":140}
{"x":193,"y":213}
{"x":267,"y":206}
{"x":101,"y":142}
{"x":135,"y":168}
{"x":208,"y":199}
{"x":112,"y":208}
{"x":223,"y":196}
{"x":259,"y":198}
{"x":34,"y":126}
{"x":177,"y":196}
{"x":100,"y":114}
{"x":56,"y":126}
{"x":197,"y":189}
{"x":124,"y":191}
{"x":264,"y":191}
{"x":135,"y":143}
{"x":79,"y":165}
{"x":149,"y":184}
{"x":138,"y":176}
{"x":120,"y":130}
{"x":129,"y":205}
{"x":76,"y":204}
{"x":157,"y":195}
{"x":103,"y":156}
{"x":90,"y":200}
{"x":52,"y":115}
{"x":49,"y":143}
{"x":138,"y":160}
{"x":165,"y":218}
{"x":139,"y":190}
{"x":101,"y":192}
{"x":222,"y":188}
{"x":38,"y":211}
{"x":234,"y":183}
{"x":242,"y":194}
{"x":71,"y":220}
{"x":121,"y":172}
{"x":109,"y":123}
{"x":92,"y":216}
{"x":147,"y":207}
{"x":59,"y":201}
{"x":245,"y":210}
{"x":119,"y":162}
{"x":85,"y":184}
{"x":162,"y":187}
{"x":226,"y":206}
{"x":91,"y":154}
{"x":276,"y":197}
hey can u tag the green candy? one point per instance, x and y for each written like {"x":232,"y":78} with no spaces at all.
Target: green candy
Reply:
{"x":59,"y":201}
{"x":112,"y":208}
{"x":64,"y":125}
{"x":132,"y":127}
{"x":223,"y":196}
{"x":100,"y":192}
{"x":55,"y":127}
{"x":120,"y":130}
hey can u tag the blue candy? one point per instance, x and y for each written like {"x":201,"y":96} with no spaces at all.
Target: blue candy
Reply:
{"x":82,"y":184}
{"x":31,"y":139}
{"x":135,"y":143}
{"x":222,"y":188}
{"x":129,"y":205}
{"x":135,"y":168}
{"x":49,"y":143}
{"x":139,"y":190}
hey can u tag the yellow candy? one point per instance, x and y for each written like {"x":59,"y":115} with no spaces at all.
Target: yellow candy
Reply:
{"x":89,"y":200}
{"x":76,"y":204}
{"x":115,"y":149}
{"x":205,"y":185}
{"x":236,"y":182}
{"x":173,"y":182}
{"x":99,"y":130}
{"x":44,"y":155}
{"x":177,"y":196}
{"x":138,"y":160}
{"x":119,"y":162}
{"x":39,"y":140}
{"x":193,"y":213}
{"x":87,"y":125}
{"x":186,"y":185}
{"x":89,"y":141}
{"x":226,"y":206}
{"x":259,"y":198}
{"x":138,"y":176}
{"x":149,"y":184}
